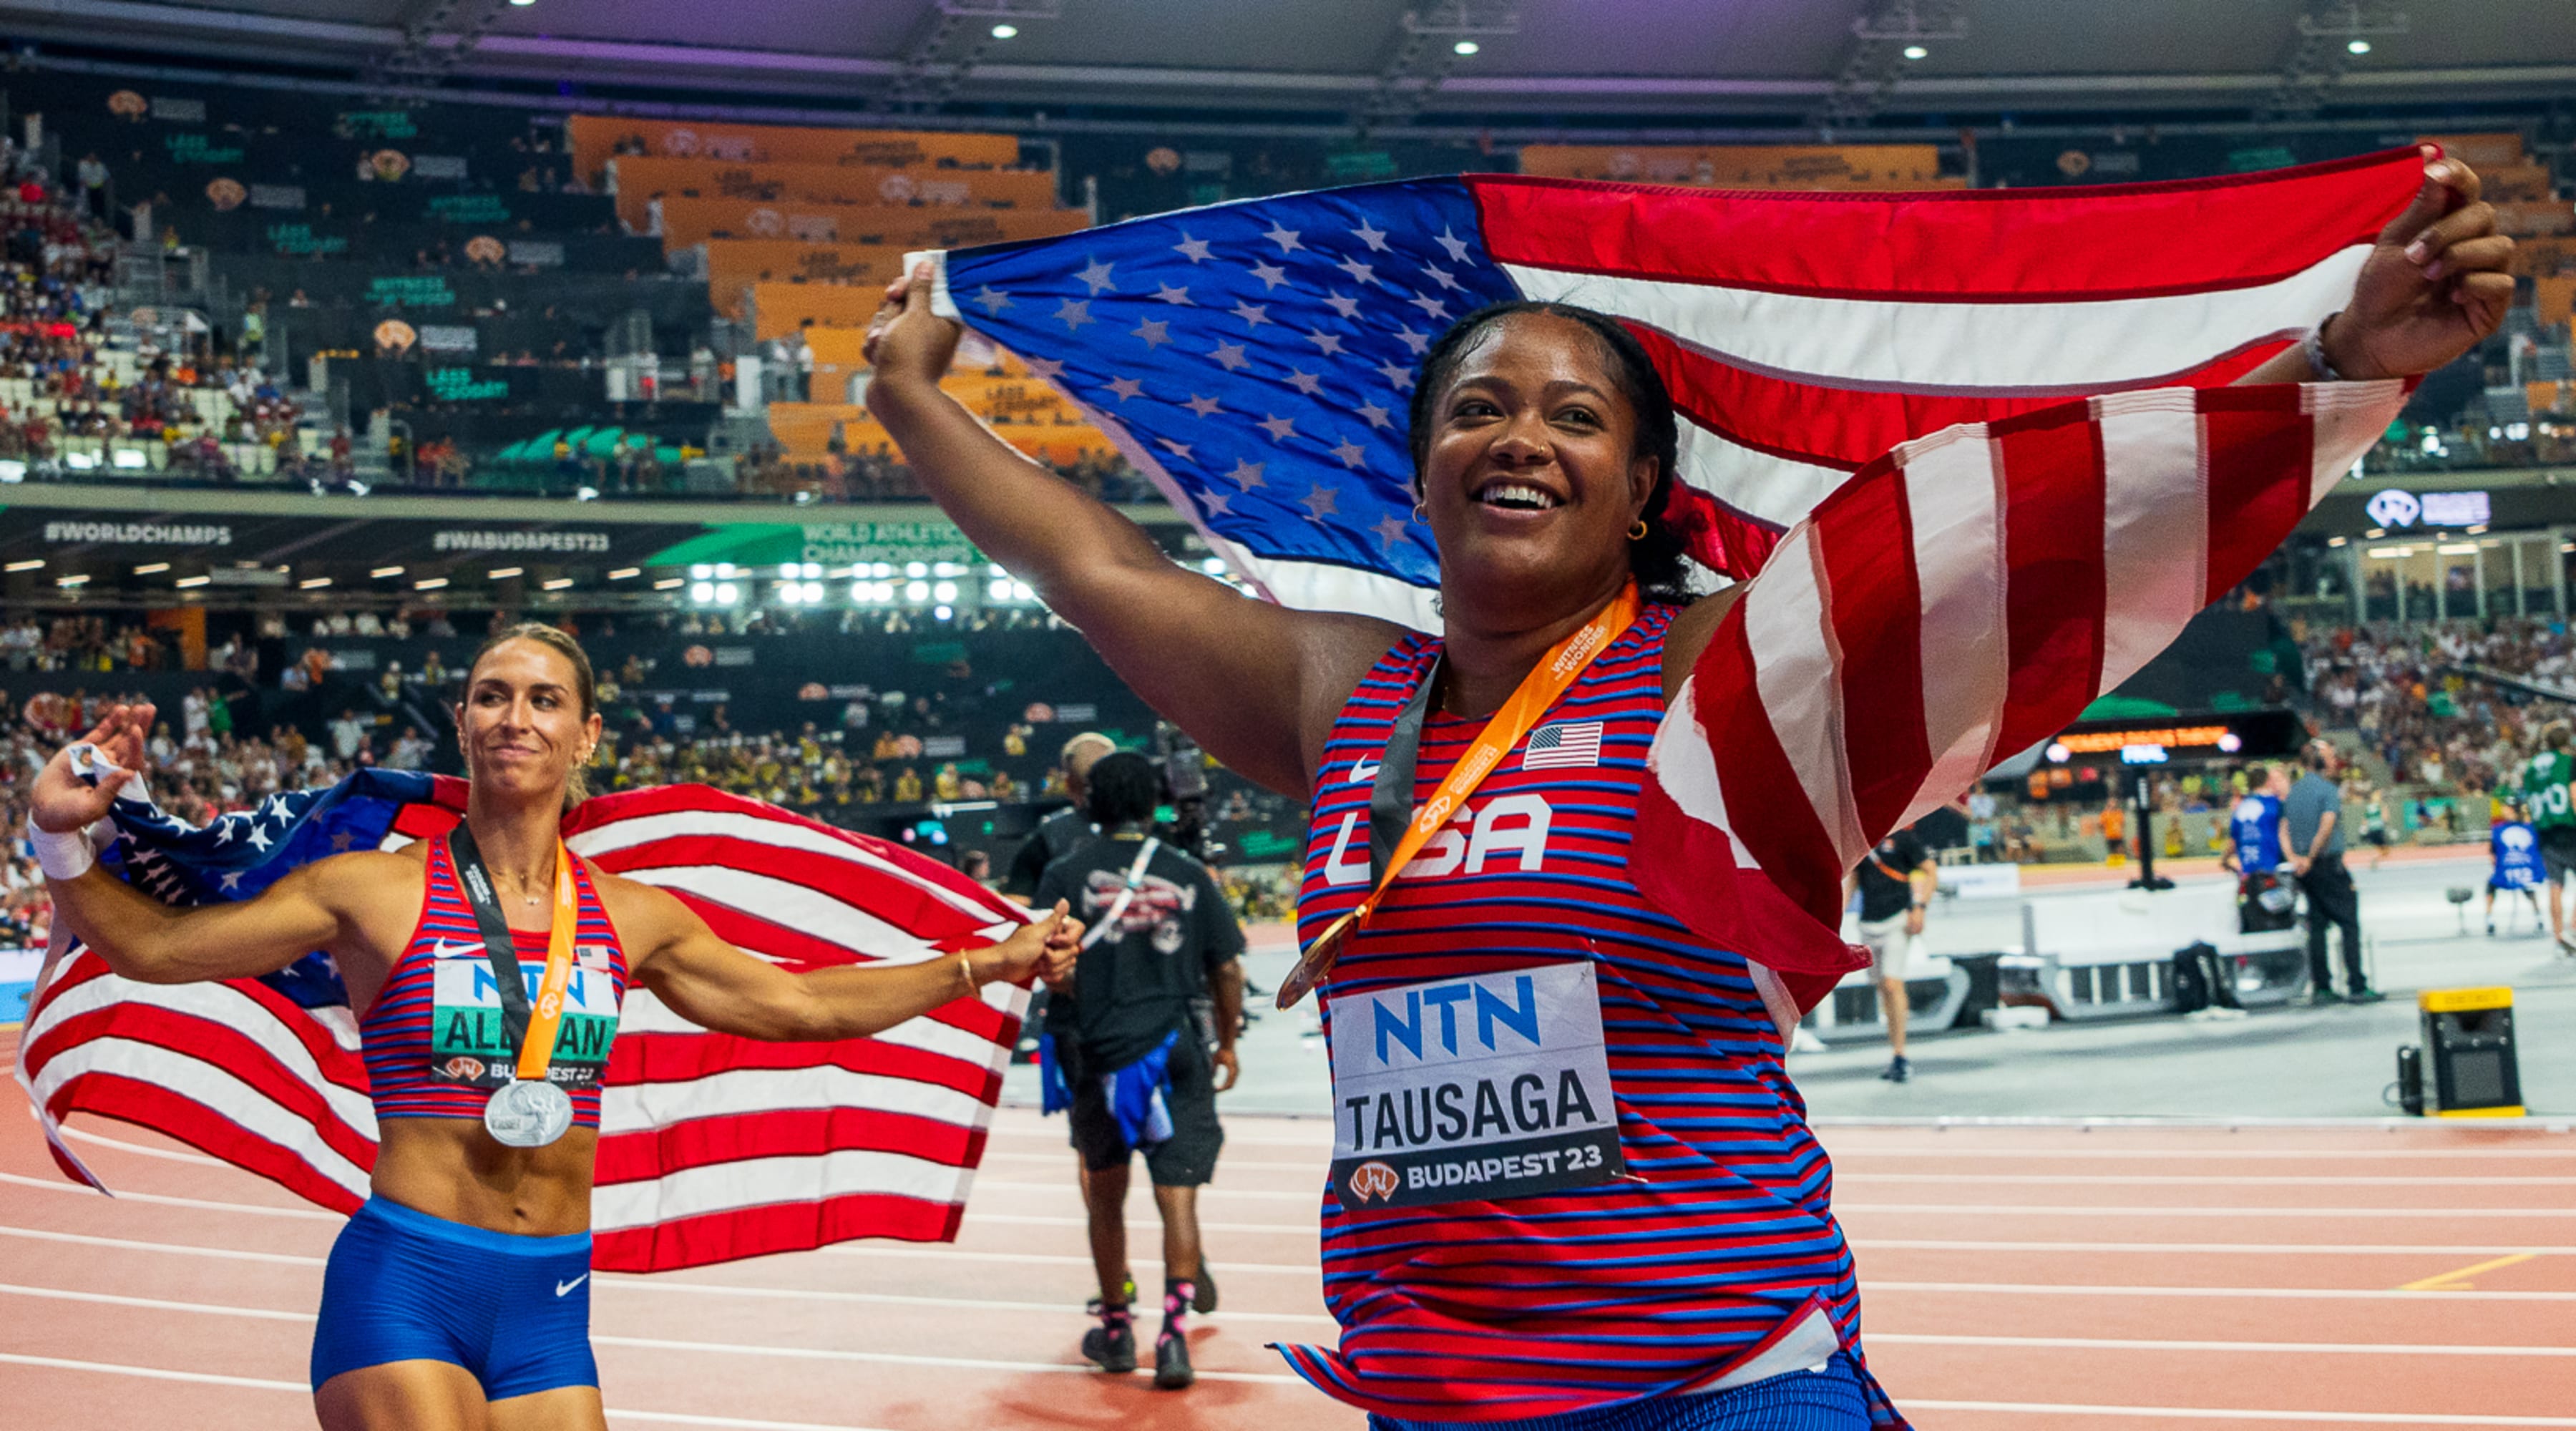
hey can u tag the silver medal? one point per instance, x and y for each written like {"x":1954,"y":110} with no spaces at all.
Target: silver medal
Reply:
{"x":527,"y":1113}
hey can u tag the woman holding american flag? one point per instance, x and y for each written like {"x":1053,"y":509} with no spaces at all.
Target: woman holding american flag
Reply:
{"x":1573,"y":1185}
{"x":490,"y":964}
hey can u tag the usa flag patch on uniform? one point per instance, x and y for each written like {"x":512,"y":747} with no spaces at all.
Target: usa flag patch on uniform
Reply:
{"x":1564,"y":745}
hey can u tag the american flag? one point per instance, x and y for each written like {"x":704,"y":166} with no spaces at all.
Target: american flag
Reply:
{"x":1564,"y":745}
{"x":1889,"y":415}
{"x":711,"y":1147}
{"x":1963,"y":597}
{"x":1256,"y":358}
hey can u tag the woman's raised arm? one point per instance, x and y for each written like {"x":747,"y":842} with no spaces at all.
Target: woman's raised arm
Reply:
{"x":1255,"y":684}
{"x":318,"y":906}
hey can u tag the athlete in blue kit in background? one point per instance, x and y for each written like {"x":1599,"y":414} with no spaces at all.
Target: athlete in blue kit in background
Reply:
{"x":2515,"y":847}
{"x":2256,"y":850}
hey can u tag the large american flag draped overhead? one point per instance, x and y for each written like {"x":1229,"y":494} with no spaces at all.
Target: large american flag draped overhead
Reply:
{"x":2009,"y":549}
{"x":711,"y":1147}
{"x":1256,"y":358}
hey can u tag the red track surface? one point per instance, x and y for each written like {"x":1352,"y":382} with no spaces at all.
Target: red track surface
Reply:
{"x":2132,"y":1279}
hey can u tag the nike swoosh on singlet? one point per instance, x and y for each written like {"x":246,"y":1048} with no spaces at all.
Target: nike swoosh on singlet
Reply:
{"x":563,"y":1287}
{"x":1363,"y":770}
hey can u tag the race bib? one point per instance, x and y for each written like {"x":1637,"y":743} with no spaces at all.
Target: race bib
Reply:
{"x":1486,"y":1087}
{"x":468,"y":1041}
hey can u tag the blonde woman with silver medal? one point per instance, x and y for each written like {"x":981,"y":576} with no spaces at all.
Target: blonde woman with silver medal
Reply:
{"x":490,"y":964}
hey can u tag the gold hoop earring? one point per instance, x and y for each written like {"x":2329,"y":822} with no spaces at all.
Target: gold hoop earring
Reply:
{"x":1637,"y":533}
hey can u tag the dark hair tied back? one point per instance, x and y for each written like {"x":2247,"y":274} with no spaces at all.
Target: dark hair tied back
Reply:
{"x":1657,"y":558}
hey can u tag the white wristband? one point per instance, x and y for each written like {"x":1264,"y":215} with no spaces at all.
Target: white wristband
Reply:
{"x":64,"y":854}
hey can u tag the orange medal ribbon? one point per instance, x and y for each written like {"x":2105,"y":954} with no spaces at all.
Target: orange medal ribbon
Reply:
{"x":537,"y":1049}
{"x":1538,"y":690}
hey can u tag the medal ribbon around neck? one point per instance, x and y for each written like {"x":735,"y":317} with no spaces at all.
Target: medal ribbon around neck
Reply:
{"x":544,"y":1017}
{"x":537,"y":1050}
{"x":1550,"y":678}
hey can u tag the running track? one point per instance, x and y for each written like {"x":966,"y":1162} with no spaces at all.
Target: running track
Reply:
{"x":2017,"y":1278}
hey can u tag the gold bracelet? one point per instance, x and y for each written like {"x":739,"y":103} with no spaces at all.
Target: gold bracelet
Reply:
{"x":966,"y":971}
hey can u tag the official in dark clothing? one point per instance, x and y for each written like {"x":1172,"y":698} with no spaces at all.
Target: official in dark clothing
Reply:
{"x":1135,"y":1059}
{"x":1894,"y":882}
{"x":1060,"y":833}
{"x":2312,"y":814}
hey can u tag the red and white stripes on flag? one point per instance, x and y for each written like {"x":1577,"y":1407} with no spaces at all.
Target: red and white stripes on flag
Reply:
{"x":711,"y":1147}
{"x":1961,"y":598}
{"x":1804,"y":334}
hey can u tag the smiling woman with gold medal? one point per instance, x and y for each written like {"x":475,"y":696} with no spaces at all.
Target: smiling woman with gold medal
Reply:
{"x":491,"y":964}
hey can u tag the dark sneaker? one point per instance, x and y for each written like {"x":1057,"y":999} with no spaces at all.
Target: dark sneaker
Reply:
{"x":1171,"y":1362}
{"x":2365,"y":996}
{"x":1203,"y":1299}
{"x":1900,"y":1069}
{"x":2325,"y":996}
{"x":1112,"y":1347}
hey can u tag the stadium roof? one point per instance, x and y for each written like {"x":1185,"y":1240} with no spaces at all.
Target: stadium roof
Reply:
{"x":1676,"y":60}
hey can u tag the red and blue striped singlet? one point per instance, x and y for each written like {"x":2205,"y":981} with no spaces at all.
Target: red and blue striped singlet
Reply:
{"x":1720,"y":1242}
{"x":395,"y":1034}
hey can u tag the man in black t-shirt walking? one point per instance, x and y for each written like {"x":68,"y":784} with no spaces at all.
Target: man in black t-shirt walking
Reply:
{"x":1895,"y":882}
{"x":1135,"y":1060}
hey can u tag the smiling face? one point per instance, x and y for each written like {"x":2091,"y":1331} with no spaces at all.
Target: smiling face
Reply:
{"x":521,"y":724}
{"x":1530,"y":474}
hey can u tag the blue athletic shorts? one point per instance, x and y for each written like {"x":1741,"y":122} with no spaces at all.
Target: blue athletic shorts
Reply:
{"x":405,"y":1286}
{"x":1830,"y":1399}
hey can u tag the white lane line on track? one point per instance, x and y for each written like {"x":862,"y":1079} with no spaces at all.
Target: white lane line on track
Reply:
{"x":2240,"y":1249}
{"x":158,"y":1304}
{"x":1294,"y":1270}
{"x":2178,"y":1413}
{"x":1032,"y":1219}
{"x":1873,"y":1287}
{"x":206,"y":1378}
{"x":219,"y":1309}
{"x":2081,"y":1155}
{"x":1058,"y":1259}
{"x":307,"y":1212}
{"x":1846,"y":1210}
{"x":1972,"y":1209}
{"x":2192,"y":1210}
{"x":1944,"y":1339}
{"x":937,"y":1253}
{"x":1322,"y":1163}
{"x":1309,"y":1269}
{"x":638,"y":1282}
{"x":1259,"y":1378}
{"x":1323,"y":1152}
{"x":176,"y":1248}
{"x":171,"y":1154}
{"x":202,"y":1378}
{"x":651,"y":1283}
{"x":2183,"y":1180}
{"x":2211,"y":1413}
{"x":1283,"y":1379}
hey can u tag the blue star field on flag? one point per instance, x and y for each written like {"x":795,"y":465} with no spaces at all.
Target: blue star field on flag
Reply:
{"x":239,"y":855}
{"x":1258,"y":356}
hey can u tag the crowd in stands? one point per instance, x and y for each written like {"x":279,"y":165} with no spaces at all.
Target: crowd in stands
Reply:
{"x":79,"y":643}
{"x":2433,"y":725}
